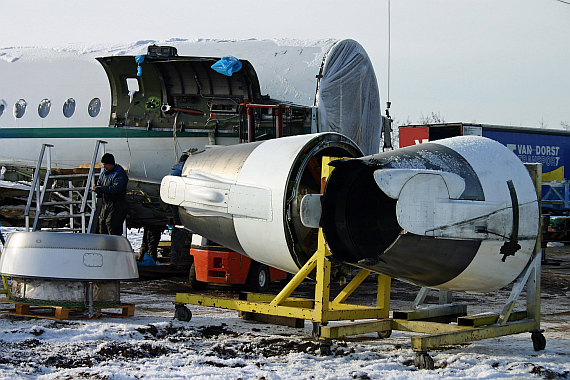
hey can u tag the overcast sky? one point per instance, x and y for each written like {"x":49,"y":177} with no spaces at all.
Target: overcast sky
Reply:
{"x":493,"y":62}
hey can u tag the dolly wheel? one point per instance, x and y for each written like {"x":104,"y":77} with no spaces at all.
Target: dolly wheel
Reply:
{"x":325,"y":347}
{"x":258,"y":277}
{"x":384,"y":334}
{"x":423,"y":361}
{"x":195,"y":284}
{"x":538,"y":341}
{"x":182,"y":313}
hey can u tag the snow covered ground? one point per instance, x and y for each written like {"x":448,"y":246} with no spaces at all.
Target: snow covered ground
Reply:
{"x":216,"y":344}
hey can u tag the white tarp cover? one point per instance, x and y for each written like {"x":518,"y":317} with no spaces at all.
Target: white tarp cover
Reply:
{"x":348,"y":99}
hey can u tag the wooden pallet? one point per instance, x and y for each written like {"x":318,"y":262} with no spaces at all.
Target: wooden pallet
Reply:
{"x":64,"y":312}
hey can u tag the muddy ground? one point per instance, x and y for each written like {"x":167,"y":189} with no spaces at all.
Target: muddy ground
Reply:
{"x":217,"y":344}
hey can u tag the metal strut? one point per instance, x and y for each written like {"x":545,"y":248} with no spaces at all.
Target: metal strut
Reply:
{"x":512,"y":246}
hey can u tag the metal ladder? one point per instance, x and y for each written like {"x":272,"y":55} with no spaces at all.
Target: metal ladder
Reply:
{"x":78,"y":203}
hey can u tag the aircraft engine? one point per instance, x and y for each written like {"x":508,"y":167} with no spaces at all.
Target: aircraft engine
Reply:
{"x":458,"y":214}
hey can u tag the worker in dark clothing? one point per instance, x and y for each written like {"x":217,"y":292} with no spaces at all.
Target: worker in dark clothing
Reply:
{"x":150,"y":240}
{"x":112,"y":188}
{"x":178,"y":237}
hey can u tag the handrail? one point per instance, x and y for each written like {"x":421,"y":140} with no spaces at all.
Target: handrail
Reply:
{"x":90,"y":175}
{"x":42,"y":191}
{"x":36,"y":178}
{"x":90,"y":178}
{"x":36,"y":184}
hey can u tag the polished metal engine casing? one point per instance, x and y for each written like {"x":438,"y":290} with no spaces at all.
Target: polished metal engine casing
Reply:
{"x":247,"y":197}
{"x":63,"y":291}
{"x":57,"y":267}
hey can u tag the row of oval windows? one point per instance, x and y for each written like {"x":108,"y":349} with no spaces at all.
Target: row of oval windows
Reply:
{"x":44,"y":107}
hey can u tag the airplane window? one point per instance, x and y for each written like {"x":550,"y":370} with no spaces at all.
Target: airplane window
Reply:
{"x":69,"y":107}
{"x":94,"y":107}
{"x":44,"y":108}
{"x":20,"y":108}
{"x":3,"y":106}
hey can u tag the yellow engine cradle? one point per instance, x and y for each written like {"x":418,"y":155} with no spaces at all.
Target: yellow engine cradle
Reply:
{"x":320,"y":309}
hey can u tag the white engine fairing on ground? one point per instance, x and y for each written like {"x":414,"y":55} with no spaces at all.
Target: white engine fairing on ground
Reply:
{"x":58,"y":255}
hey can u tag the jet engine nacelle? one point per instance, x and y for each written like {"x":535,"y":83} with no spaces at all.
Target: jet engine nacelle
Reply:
{"x":458,"y":214}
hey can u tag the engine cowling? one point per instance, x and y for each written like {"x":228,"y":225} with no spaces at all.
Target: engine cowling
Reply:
{"x":458,"y":214}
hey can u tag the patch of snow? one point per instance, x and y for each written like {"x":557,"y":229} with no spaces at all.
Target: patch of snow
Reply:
{"x":286,"y":68}
{"x":13,"y":185}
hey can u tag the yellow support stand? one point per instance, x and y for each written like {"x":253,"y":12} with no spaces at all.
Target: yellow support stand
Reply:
{"x":321,"y":310}
{"x":5,"y":288}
